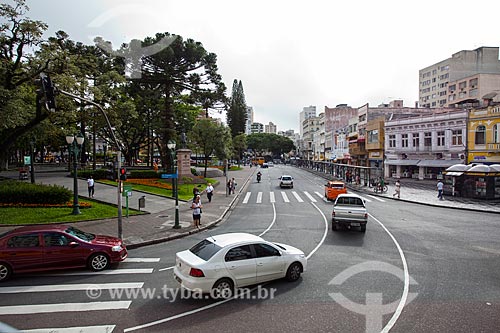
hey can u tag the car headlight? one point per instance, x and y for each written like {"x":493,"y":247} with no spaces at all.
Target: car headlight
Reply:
{"x":117,"y":248}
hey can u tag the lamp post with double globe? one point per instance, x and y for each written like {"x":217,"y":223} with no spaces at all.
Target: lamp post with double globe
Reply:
{"x":74,"y":147}
{"x":171,"y":146}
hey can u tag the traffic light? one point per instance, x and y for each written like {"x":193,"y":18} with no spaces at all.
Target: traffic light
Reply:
{"x":123,"y":174}
{"x":47,"y":91}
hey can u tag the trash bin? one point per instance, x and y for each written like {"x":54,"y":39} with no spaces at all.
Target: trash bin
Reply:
{"x":142,"y":202}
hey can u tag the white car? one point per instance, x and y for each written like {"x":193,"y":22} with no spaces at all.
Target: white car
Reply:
{"x":286,"y":181}
{"x":221,"y":263}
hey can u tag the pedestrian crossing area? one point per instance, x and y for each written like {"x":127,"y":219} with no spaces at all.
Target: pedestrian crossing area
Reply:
{"x":293,"y":197}
{"x":71,"y":296}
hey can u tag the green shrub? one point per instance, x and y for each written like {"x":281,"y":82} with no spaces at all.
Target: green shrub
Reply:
{"x":20,"y":192}
{"x":142,"y":174}
{"x":96,"y":174}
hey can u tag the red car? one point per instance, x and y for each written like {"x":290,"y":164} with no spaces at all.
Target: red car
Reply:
{"x":48,"y":247}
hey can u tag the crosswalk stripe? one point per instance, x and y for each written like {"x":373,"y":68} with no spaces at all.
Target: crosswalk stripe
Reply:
{"x":66,"y":287}
{"x":299,"y":199}
{"x":310,"y":197}
{"x":366,"y":199}
{"x":271,"y":197}
{"x":319,"y":194}
{"x":285,"y":197}
{"x":82,"y":329}
{"x":63,"y":307}
{"x":247,"y":196}
{"x":373,"y":197}
{"x":108,"y":272}
{"x":142,"y":260}
{"x":259,"y":197}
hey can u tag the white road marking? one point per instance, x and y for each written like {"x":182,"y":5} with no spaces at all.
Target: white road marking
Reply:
{"x":82,"y":329}
{"x":324,"y":233}
{"x":272,"y":222}
{"x":259,"y":198}
{"x":63,"y":307}
{"x":109,"y":272}
{"x":271,"y":197}
{"x":310,"y":197}
{"x":406,"y":284}
{"x":376,"y":198}
{"x":366,"y":199}
{"x":319,"y":195}
{"x":299,"y":199}
{"x":285,"y":197}
{"x":141,"y":260}
{"x":65,"y":287}
{"x":247,"y":196}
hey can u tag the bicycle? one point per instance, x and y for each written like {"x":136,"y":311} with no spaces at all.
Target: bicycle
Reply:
{"x":377,"y":189}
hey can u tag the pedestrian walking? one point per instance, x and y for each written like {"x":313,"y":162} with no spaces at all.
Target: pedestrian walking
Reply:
{"x":196,"y":207}
{"x":90,"y":185}
{"x":233,"y":185}
{"x":229,"y":186}
{"x":397,"y":190}
{"x":210,"y":192}
{"x":440,"y":187}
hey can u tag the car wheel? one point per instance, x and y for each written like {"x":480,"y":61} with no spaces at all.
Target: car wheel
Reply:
{"x":5,"y":272}
{"x":363,"y":228}
{"x":98,"y":262}
{"x":223,"y":288}
{"x":293,"y":272}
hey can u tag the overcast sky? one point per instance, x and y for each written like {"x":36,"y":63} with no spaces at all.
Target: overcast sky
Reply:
{"x":290,"y":54}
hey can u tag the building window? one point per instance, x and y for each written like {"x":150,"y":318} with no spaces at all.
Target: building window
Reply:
{"x":427,"y":139}
{"x":392,"y":141}
{"x":480,"y":135}
{"x":440,"y":138}
{"x":462,"y":85}
{"x":496,"y":133}
{"x":456,"y":137}
{"x":373,"y":136}
{"x":416,"y":140}
{"x":404,"y":140}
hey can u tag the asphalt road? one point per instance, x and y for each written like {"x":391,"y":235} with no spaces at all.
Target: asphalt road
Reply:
{"x":416,"y":269}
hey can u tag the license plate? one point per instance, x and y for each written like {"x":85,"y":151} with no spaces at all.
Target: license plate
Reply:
{"x":178,"y":279}
{"x":354,"y":224}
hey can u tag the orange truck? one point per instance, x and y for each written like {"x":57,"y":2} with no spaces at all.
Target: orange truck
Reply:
{"x":333,"y":188}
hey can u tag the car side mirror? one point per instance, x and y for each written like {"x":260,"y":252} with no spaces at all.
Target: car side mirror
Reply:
{"x":73,"y":244}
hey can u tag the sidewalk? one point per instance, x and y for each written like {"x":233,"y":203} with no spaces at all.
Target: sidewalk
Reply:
{"x":157,"y":226}
{"x":423,"y":192}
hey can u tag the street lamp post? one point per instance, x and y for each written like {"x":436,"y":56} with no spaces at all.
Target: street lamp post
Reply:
{"x":74,"y":147}
{"x":171,"y":146}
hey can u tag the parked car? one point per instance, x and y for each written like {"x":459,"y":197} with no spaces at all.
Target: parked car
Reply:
{"x":218,"y":264}
{"x":49,"y":247}
{"x":333,"y":188}
{"x":264,"y":165}
{"x":286,"y":181}
{"x":270,"y":164}
{"x":349,"y":210}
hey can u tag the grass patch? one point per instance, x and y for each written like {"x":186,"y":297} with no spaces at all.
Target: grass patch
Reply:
{"x":17,"y":216}
{"x":185,"y":191}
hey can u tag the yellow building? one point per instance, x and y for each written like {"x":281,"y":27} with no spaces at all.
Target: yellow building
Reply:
{"x":483,"y":135}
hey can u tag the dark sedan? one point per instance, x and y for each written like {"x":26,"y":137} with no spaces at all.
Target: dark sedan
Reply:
{"x":48,"y":247}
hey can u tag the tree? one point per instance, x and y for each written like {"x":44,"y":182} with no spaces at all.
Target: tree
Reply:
{"x":17,"y":69}
{"x":239,"y":145}
{"x":211,"y":138}
{"x":237,"y":112}
{"x":183,"y":67}
{"x":269,"y":142}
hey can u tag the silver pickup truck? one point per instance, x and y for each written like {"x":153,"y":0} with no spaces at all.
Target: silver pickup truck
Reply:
{"x":349,"y":210}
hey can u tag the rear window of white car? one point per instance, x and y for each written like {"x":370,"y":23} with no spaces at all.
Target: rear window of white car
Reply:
{"x":351,"y":201}
{"x":286,"y":178}
{"x":205,"y":249}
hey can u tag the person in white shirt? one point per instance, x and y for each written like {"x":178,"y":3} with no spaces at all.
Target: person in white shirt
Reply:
{"x":210,"y":192}
{"x":440,"y":187}
{"x":90,"y":184}
{"x":196,"y":207}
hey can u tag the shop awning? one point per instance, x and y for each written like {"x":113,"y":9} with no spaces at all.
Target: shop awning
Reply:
{"x":453,"y":173}
{"x":437,"y":163}
{"x":402,"y":162}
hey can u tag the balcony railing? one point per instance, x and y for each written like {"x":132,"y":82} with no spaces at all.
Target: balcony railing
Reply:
{"x":493,"y":146}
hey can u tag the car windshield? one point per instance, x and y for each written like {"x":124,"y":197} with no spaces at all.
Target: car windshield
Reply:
{"x":281,"y":247}
{"x":86,"y":236}
{"x":337,"y":185}
{"x":286,"y":178}
{"x":205,"y":249}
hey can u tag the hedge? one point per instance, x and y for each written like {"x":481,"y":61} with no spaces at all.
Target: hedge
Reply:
{"x":21,"y":192}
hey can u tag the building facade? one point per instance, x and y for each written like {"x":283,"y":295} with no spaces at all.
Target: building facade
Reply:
{"x":270,"y":128}
{"x":483,"y":136}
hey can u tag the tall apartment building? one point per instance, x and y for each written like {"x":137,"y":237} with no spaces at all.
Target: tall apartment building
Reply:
{"x":462,"y":79}
{"x":270,"y":128}
{"x":307,"y":112}
{"x":248,"y":125}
